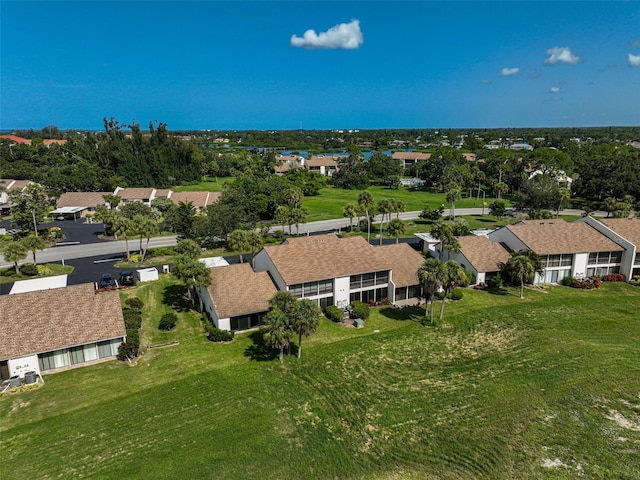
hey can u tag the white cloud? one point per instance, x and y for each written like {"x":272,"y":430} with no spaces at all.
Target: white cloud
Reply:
{"x":344,"y":35}
{"x":554,"y":90}
{"x":634,"y":60}
{"x":505,"y":72}
{"x":561,"y":55}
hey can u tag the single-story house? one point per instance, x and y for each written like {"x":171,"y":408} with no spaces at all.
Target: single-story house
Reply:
{"x":200,"y":200}
{"x":404,"y":287}
{"x":144,"y":195}
{"x":49,"y":330}
{"x":409,"y":158}
{"x":237,"y":298}
{"x":323,"y":164}
{"x":479,"y":255}
{"x":625,"y":232}
{"x":78,"y":204}
{"x":328,"y":269}
{"x":567,"y":249}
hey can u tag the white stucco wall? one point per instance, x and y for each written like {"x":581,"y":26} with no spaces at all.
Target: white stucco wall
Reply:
{"x":224,"y":324}
{"x":207,"y":305}
{"x":265,"y":264}
{"x":579,"y":267}
{"x":465,"y":263}
{"x":508,"y":237}
{"x":19,"y":366}
{"x":341,"y":291}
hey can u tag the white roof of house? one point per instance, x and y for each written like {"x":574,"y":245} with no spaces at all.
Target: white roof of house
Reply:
{"x":37,"y":284}
{"x":211,"y":262}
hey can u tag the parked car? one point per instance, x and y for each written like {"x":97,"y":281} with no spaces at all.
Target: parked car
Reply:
{"x":107,"y":281}
{"x":127,"y":279}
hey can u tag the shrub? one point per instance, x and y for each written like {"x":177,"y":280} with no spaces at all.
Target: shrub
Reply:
{"x":439,"y":295}
{"x":614,"y":277}
{"x":432,"y":214}
{"x":495,"y":283}
{"x":567,"y":281}
{"x":168,"y":321}
{"x":333,"y":313}
{"x":29,"y":269}
{"x":588,"y":283}
{"x":133,"y":337}
{"x":159,"y":252}
{"x":132,"y":319}
{"x":127,"y":350}
{"x":216,"y":335}
{"x":360,"y":310}
{"x":134,"y":303}
{"x":135,"y":258}
{"x":456,"y":294}
{"x":43,"y":270}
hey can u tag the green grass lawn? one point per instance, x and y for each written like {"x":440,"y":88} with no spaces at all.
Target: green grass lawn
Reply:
{"x":208,"y":185}
{"x":499,"y":389}
{"x":9,"y":275}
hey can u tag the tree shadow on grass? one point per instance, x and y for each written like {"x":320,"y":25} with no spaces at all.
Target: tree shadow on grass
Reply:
{"x":175,"y":296}
{"x":258,"y":351}
{"x":413,"y":314}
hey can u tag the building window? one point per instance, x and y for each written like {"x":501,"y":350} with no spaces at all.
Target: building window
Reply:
{"x":296,"y":290}
{"x":401,"y":293}
{"x":602,"y":271}
{"x":601,"y":258}
{"x":415,"y":291}
{"x":325,"y":302}
{"x":46,"y":361}
{"x":104,"y":349}
{"x":77,"y":355}
{"x":637,"y":260}
{"x":311,"y":289}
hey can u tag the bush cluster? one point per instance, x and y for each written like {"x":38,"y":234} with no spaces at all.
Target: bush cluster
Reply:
{"x":589,"y":283}
{"x":134,"y":303}
{"x":128,"y":350}
{"x":495,"y":283}
{"x":43,"y":270}
{"x":567,"y":281}
{"x":168,"y":321}
{"x":456,"y":294}
{"x":614,"y":277}
{"x":360,"y":310}
{"x":216,"y":335}
{"x":29,"y":269}
{"x":132,"y":318}
{"x":333,"y":313}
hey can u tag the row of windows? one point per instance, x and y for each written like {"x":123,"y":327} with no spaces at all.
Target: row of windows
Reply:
{"x":75,"y":355}
{"x":310,"y":289}
{"x":366,"y":296}
{"x":599,"y":258}
{"x":404,"y":293}
{"x":554,"y":276}
{"x":601,"y":271}
{"x":369,"y":279}
{"x":637,"y":260}
{"x":557,"y":260}
{"x":247,"y":321}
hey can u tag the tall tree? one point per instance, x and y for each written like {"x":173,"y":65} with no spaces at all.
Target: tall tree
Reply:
{"x":384,"y":208}
{"x":522,"y":266}
{"x":452,"y":196}
{"x":188,"y":247}
{"x":452,"y":277}
{"x":14,"y":252}
{"x":275,"y":331}
{"x":365,"y":199}
{"x":430,"y":275}
{"x":305,"y":320}
{"x":32,"y":206}
{"x":123,"y":227}
{"x":255,"y":242}
{"x":147,"y":228}
{"x":396,"y":228}
{"x":349,"y":211}
{"x":33,"y":243}
{"x":238,"y":241}
{"x":192,"y":273}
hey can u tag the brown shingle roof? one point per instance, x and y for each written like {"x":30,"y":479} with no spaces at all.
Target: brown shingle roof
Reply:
{"x":135,"y":193}
{"x":81,"y":199}
{"x":321,"y":161}
{"x":322,"y":257}
{"x":162,"y":193}
{"x":405,"y":262}
{"x":411,"y":156}
{"x":483,"y":254}
{"x":47,"y":320}
{"x":238,"y":290}
{"x":17,"y":185}
{"x":627,"y":228}
{"x":552,"y":237}
{"x":199,"y":199}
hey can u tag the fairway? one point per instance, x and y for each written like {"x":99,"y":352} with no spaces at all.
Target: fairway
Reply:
{"x":546,"y":387}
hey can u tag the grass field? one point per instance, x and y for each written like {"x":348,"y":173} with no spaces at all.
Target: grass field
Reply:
{"x":9,"y":275}
{"x":500,"y":389}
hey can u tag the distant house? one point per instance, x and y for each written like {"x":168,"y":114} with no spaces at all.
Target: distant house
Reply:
{"x":410,"y":158}
{"x":144,"y":195}
{"x":404,"y":287}
{"x":560,"y":176}
{"x":200,"y":200}
{"x":625,"y":232}
{"x":479,"y":255}
{"x":521,"y":146}
{"x":327,"y":269}
{"x":78,"y":204}
{"x":567,"y":249}
{"x":25,"y":141}
{"x":286,"y":162}
{"x":50,"y":330}
{"x":237,"y":298}
{"x":10,"y":187}
{"x":323,"y":164}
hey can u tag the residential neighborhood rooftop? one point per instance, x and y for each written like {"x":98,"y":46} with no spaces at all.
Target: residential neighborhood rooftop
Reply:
{"x":483,"y":254}
{"x":405,"y":262}
{"x":237,"y":290}
{"x":627,"y":228}
{"x":321,"y":257}
{"x":552,"y":237}
{"x":81,"y":199}
{"x":47,"y":320}
{"x":198,"y":199}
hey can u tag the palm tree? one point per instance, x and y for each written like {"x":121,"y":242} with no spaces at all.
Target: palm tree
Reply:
{"x":255,"y":242}
{"x":564,"y":195}
{"x":609,"y":205}
{"x":501,"y":188}
{"x":14,"y":252}
{"x":123,"y":226}
{"x":400,"y":207}
{"x":453,"y":195}
{"x":366,"y":200}
{"x":349,"y":211}
{"x":147,"y":228}
{"x":293,"y":196}
{"x":33,"y":243}
{"x":298,"y":216}
{"x":396,"y":228}
{"x":238,"y":241}
{"x":384,"y":207}
{"x":430,"y":275}
{"x":441,"y":230}
{"x":522,"y":266}
{"x":112,"y":200}
{"x":452,"y":277}
{"x":306,"y":320}
{"x":192,"y":273}
{"x":450,"y":244}
{"x":275,"y":331}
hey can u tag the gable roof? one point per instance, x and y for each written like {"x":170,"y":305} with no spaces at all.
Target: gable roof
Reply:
{"x":17,"y":139}
{"x":47,"y":320}
{"x":322,"y":257}
{"x":11,"y":184}
{"x":627,"y":228}
{"x":81,"y":199}
{"x":134,"y":193}
{"x":552,"y":237}
{"x":237,"y":290}
{"x":199,"y":199}
{"x":411,"y":156}
{"x":483,"y":254}
{"x":405,"y":262}
{"x":321,"y":161}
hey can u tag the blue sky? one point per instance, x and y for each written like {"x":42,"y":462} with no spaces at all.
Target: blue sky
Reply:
{"x":250,"y":65}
